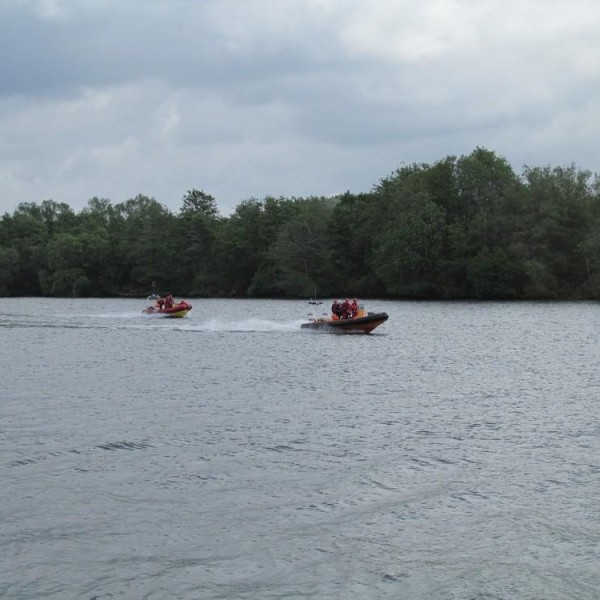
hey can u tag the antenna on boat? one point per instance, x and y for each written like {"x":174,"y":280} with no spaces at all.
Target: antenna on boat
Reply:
{"x":153,"y":294}
{"x":314,"y":300}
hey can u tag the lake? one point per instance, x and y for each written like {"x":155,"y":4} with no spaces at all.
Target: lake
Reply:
{"x":454,"y":453}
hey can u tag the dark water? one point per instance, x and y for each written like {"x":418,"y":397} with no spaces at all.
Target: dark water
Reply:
{"x":452,"y":454}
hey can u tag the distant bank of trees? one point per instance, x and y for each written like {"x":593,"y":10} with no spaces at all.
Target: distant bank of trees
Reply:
{"x":465,"y":227}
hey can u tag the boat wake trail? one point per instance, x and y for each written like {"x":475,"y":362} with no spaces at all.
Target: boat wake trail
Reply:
{"x":259,"y":325}
{"x":123,"y":315}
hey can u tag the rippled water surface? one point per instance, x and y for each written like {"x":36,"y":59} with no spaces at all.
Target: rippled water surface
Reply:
{"x":452,"y":454}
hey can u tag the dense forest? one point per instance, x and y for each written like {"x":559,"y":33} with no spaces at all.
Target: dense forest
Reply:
{"x":463,"y":227}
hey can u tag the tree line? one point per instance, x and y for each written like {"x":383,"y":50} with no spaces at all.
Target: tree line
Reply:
{"x":463,"y":227}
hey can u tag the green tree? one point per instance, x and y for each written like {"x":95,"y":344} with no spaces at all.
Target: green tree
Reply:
{"x":493,"y":274}
{"x":485,"y":215}
{"x":74,"y":263}
{"x":9,"y":270}
{"x":98,"y":214}
{"x":199,"y":203}
{"x":356,"y":221}
{"x":275,"y":214}
{"x":145,"y":244}
{"x":408,"y":252}
{"x":240,"y":248}
{"x":301,"y":253}
{"x":558,"y":233}
{"x":26,"y":234}
{"x":197,"y":224}
{"x":54,"y":216}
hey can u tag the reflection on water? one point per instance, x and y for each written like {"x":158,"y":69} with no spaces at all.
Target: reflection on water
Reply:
{"x":451,"y":454}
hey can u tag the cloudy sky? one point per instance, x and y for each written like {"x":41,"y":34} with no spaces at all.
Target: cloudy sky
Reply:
{"x":250,"y":98}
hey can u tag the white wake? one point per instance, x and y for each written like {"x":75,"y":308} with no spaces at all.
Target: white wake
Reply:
{"x":259,"y":325}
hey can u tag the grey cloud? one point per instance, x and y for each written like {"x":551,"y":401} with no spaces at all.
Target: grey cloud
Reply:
{"x":183,"y":47}
{"x":254,"y":98}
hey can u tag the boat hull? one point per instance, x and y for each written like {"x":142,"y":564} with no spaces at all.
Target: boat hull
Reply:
{"x":364,"y":324}
{"x":177,"y":311}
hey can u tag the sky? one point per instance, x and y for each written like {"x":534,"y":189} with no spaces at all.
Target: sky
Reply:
{"x":253,"y":98}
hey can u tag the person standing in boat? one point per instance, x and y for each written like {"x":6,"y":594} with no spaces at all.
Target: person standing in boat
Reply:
{"x":346,"y":309}
{"x":353,"y":308}
{"x":160,"y":303}
{"x":169,"y":301}
{"x":336,"y":310}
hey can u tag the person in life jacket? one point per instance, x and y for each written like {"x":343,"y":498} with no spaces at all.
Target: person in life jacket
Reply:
{"x":169,"y":301}
{"x":160,"y":303}
{"x":353,"y":308}
{"x":336,"y":310}
{"x":346,"y":312}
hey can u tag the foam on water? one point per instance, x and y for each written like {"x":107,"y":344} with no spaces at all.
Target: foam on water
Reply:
{"x":135,"y":320}
{"x":259,"y":325}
